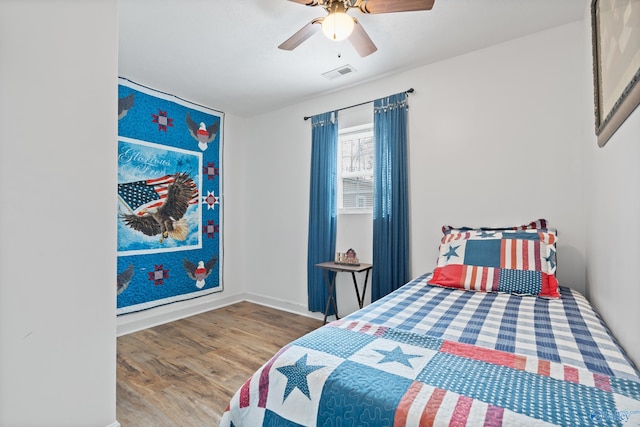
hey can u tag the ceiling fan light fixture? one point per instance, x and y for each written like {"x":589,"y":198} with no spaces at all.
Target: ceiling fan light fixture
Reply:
{"x":337,"y":26}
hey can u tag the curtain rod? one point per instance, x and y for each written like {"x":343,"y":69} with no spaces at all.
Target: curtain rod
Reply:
{"x":410,"y":90}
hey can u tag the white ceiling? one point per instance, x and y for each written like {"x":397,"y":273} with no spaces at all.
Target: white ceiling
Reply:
{"x":224,"y":54}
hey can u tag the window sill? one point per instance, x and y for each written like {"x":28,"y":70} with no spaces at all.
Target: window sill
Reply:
{"x":355,"y":211}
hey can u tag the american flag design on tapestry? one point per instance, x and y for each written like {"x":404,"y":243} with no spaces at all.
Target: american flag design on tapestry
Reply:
{"x":149,"y":193}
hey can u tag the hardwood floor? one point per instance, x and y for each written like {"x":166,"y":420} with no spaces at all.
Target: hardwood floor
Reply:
{"x":185,"y":372}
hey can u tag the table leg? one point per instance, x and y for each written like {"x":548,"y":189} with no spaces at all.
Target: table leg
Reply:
{"x":364,"y":288}
{"x":330,"y":286}
{"x":355,"y":285}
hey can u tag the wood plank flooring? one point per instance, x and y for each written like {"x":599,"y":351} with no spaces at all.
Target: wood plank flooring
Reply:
{"x":185,"y":372}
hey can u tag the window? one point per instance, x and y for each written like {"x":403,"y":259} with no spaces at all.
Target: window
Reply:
{"x":355,"y":169}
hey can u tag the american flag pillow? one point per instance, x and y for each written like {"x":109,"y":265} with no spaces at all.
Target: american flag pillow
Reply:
{"x":518,"y":261}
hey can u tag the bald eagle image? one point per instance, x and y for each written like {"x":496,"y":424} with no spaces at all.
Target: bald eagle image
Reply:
{"x":203,"y":134}
{"x":123,"y":279}
{"x":166,"y":218}
{"x":124,"y":105}
{"x":200,"y":271}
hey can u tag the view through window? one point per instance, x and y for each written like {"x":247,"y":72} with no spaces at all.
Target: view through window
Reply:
{"x":355,"y":169}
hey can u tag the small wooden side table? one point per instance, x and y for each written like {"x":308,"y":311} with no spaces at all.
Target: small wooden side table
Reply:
{"x":331,"y":284}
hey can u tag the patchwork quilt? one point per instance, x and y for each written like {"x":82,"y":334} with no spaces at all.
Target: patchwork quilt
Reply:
{"x":426,"y":356}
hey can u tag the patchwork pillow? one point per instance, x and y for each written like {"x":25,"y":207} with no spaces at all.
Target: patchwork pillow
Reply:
{"x":514,"y":260}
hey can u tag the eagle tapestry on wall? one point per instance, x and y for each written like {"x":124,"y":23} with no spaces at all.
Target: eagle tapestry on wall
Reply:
{"x":169,"y":218}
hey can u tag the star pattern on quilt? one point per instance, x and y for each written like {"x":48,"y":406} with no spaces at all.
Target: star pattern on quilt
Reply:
{"x":452,"y":252}
{"x":210,"y":200}
{"x":486,"y":234}
{"x":158,"y":274}
{"x":162,"y":120}
{"x":210,"y":229}
{"x":297,"y":376}
{"x":551,"y":259}
{"x":211,"y":171}
{"x":397,"y":355}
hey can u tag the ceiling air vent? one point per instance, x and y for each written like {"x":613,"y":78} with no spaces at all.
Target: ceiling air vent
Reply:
{"x":339,"y":72}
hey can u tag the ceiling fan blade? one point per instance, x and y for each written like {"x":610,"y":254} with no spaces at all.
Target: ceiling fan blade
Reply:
{"x":303,"y":34}
{"x":361,"y":40}
{"x":388,"y":6}
{"x":307,"y":2}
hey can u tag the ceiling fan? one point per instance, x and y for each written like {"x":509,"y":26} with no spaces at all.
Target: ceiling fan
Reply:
{"x":338,"y":25}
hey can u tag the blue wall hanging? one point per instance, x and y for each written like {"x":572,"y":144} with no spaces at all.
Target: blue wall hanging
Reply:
{"x":169,"y":217}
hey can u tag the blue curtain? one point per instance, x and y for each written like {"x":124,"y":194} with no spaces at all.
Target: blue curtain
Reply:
{"x":323,"y":212}
{"x":391,"y":197}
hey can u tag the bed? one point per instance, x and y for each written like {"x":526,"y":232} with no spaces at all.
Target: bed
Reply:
{"x":474,"y":342}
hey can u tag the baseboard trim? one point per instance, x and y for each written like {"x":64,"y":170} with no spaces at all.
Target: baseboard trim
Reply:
{"x":114,"y":424}
{"x":283,"y":305}
{"x":133,"y":322}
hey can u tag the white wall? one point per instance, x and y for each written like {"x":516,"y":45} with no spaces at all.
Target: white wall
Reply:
{"x":58,"y":77}
{"x":613,"y":210}
{"x":613,"y":244}
{"x":495,"y":139}
{"x":494,"y":142}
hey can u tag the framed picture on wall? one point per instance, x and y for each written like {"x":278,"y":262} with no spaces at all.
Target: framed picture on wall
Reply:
{"x":616,"y":63}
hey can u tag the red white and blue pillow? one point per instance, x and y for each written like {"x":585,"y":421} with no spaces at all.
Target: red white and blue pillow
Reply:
{"x":518,"y":260}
